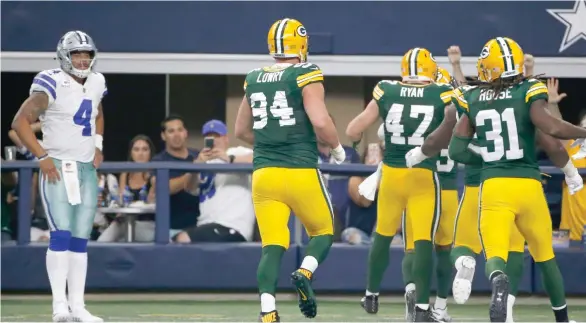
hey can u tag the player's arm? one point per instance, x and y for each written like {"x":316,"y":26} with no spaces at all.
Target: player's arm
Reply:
{"x":458,"y":148}
{"x":36,"y":127}
{"x":554,"y":149}
{"x":455,"y":56}
{"x":544,"y":121}
{"x":365,"y":119}
{"x":315,"y":107}
{"x":441,"y":136}
{"x":29,"y":112}
{"x":100,"y":121}
{"x":243,"y":126}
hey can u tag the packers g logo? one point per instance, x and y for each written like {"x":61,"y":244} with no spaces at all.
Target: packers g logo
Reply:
{"x":301,"y":31}
{"x":484,"y":53}
{"x":431,"y":56}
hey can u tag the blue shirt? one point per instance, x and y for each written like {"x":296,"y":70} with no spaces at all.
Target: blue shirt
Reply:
{"x":338,"y":184}
{"x":184,"y":206}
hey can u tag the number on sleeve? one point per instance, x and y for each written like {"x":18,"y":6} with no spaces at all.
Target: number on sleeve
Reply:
{"x":448,"y":165}
{"x":83,"y":117}
{"x":394,"y":126}
{"x":495,"y":135}
{"x":279,"y":109}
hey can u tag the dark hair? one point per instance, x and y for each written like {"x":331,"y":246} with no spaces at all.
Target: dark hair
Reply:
{"x":501,"y":83}
{"x":169,"y":118}
{"x":144,"y":138}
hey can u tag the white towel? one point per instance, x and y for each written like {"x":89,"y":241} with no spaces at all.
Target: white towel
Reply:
{"x":369,"y":186}
{"x":71,"y":181}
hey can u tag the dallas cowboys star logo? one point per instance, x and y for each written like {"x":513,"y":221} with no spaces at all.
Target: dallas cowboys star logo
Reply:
{"x":575,"y":22}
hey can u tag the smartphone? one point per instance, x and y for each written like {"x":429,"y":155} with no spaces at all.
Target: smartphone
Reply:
{"x":208,"y":142}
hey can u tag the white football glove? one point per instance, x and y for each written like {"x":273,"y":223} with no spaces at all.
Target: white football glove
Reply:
{"x":369,"y":186}
{"x":414,"y":157}
{"x":573,"y":178}
{"x":339,"y":154}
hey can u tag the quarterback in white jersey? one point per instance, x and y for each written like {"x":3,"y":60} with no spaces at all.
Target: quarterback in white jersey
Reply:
{"x":67,"y":101}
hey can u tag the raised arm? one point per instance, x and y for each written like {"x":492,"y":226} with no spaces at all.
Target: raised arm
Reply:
{"x":551,"y":125}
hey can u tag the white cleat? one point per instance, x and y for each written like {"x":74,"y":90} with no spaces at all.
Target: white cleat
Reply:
{"x":82,"y":315}
{"x":60,"y":312}
{"x":462,"y":286}
{"x":441,"y":314}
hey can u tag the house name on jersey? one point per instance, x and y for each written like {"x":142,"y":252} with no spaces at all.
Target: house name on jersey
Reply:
{"x":412,"y":92}
{"x":488,"y":95}
{"x":269,"y":77}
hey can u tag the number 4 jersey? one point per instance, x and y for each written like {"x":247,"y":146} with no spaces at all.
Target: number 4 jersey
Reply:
{"x":68,"y":124}
{"x":506,"y":134}
{"x":283,"y":133}
{"x":410,"y":113}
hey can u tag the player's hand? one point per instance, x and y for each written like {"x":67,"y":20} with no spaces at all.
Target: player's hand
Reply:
{"x":219,"y":153}
{"x":553,"y":91}
{"x":49,"y":171}
{"x":339,"y":154}
{"x":575,"y":183}
{"x":454,"y":55}
{"x":204,"y":155}
{"x":98,"y":158}
{"x":414,"y":157}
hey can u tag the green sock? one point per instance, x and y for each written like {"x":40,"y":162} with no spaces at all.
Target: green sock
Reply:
{"x":494,"y":264}
{"x":378,"y":260}
{"x":460,"y":251}
{"x":553,"y":282}
{"x":268,"y":270}
{"x":443,"y":271}
{"x":515,"y":271}
{"x":319,"y":247}
{"x":407,"y":267}
{"x":422,"y":270}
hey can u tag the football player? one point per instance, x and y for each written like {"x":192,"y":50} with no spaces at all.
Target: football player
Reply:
{"x":504,"y":111}
{"x":411,"y":109}
{"x":281,"y":113}
{"x":67,"y":101}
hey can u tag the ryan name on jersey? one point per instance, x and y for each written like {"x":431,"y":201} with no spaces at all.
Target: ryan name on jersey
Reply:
{"x":412,"y":92}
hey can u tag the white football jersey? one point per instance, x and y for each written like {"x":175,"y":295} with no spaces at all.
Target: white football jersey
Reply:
{"x":69,"y":123}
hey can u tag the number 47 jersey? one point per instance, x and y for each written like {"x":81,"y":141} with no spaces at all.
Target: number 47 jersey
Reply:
{"x":410,"y":113}
{"x":68,"y":124}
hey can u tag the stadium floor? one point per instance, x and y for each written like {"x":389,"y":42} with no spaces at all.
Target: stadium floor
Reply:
{"x":245,"y":307}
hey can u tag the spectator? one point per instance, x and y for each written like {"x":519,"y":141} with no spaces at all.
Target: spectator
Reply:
{"x":140,"y":150}
{"x":8,"y":183}
{"x":227,"y":213}
{"x":184,"y":206}
{"x":361,"y":217}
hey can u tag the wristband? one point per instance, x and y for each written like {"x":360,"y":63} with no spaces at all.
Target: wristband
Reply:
{"x":570,"y":170}
{"x":99,"y":142}
{"x":43,"y":157}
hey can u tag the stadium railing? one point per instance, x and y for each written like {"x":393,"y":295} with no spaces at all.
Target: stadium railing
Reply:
{"x":161,"y":171}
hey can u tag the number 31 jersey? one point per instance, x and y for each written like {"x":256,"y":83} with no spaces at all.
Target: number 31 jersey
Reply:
{"x":68,"y":124}
{"x":283,"y":133}
{"x":410,"y":113}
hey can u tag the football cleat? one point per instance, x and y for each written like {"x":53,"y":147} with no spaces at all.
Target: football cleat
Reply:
{"x":410,"y":306}
{"x":422,"y":315}
{"x":61,"y":312}
{"x":272,"y":316}
{"x":370,"y":304}
{"x":498,"y":301}
{"x":307,"y":302}
{"x":441,"y":314}
{"x":82,"y":315}
{"x":462,"y":285}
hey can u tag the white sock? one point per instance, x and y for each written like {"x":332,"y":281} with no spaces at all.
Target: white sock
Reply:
{"x":76,"y":279}
{"x":57,"y":263}
{"x":424,"y":307}
{"x":267,"y":303}
{"x":309,"y":263}
{"x":510,"y":304}
{"x":409,"y":287}
{"x":440,"y":303}
{"x":369,"y":293}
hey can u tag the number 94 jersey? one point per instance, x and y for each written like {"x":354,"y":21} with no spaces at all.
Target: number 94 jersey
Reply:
{"x":68,"y":124}
{"x":283,"y":133}
{"x":410,"y":113}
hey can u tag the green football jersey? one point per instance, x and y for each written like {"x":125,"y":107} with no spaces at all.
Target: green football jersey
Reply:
{"x":472,"y":177}
{"x":447,"y":171}
{"x":506,"y":134}
{"x":283,"y":133}
{"x":410,"y":113}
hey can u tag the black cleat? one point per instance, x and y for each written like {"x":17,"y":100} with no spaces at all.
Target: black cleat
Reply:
{"x":422,"y":315}
{"x":370,"y":304}
{"x":272,"y":316}
{"x":410,"y":306}
{"x":498,"y":301}
{"x":302,"y":283}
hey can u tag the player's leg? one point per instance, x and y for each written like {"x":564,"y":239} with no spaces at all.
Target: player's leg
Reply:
{"x":514,"y":270}
{"x":310,"y":200}
{"x":499,"y":198}
{"x":424,"y":210}
{"x":407,"y":268}
{"x":390,"y":206}
{"x":81,"y":228}
{"x":59,"y":215}
{"x":466,"y":244}
{"x":443,"y":246}
{"x":272,"y":216}
{"x":535,"y":225}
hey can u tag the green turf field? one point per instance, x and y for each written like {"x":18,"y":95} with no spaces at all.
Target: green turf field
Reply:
{"x":214,"y":309}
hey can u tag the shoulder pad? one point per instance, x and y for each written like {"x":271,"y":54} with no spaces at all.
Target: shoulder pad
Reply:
{"x":309,"y":66}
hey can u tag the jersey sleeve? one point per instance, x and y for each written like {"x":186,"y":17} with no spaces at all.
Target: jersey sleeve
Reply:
{"x":309,"y":73}
{"x":459,"y":101}
{"x":45,"y":82}
{"x":378,"y":91}
{"x":446,"y":95}
{"x":537,"y":91}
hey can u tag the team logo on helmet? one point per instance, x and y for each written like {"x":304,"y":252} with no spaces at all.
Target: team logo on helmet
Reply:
{"x":485,"y":52}
{"x":431,"y":56}
{"x":301,"y":31}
